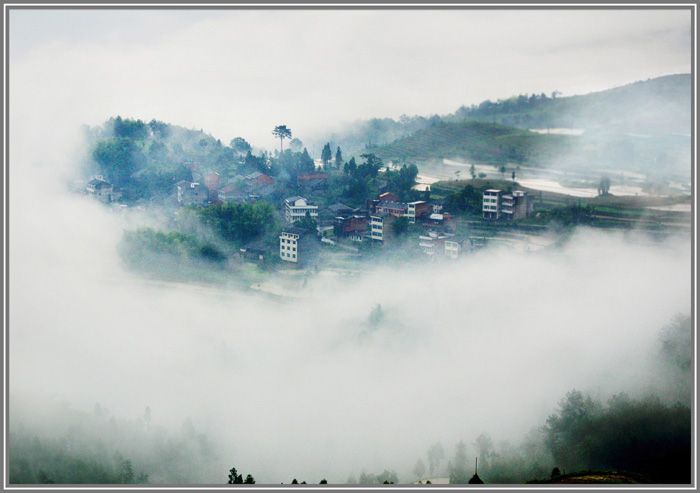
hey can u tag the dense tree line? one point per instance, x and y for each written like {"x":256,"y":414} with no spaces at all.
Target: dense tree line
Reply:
{"x":179,"y":246}
{"x":49,"y":442}
{"x":238,"y":223}
{"x":147,"y":159}
{"x":639,"y":435}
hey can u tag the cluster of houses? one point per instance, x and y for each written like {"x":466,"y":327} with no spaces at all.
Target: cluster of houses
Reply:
{"x":374,"y":222}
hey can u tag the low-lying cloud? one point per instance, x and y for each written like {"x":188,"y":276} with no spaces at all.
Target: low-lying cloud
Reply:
{"x":308,"y":388}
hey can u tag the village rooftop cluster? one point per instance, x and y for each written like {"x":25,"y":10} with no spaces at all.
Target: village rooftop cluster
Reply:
{"x":306,"y":226}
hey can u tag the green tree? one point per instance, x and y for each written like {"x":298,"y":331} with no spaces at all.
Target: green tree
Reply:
{"x":249,"y":480}
{"x":282,"y":132}
{"x":296,"y":145}
{"x":132,"y":129}
{"x":238,"y":222}
{"x":472,"y":171}
{"x":326,"y":155}
{"x":484,"y":447}
{"x":239,"y":144}
{"x":604,"y":186}
{"x":308,"y":223}
{"x":338,"y":157}
{"x":400,"y":226}
{"x":323,"y":481}
{"x":306,"y":164}
{"x":458,"y":466}
{"x":350,"y":168}
{"x":118,"y":158}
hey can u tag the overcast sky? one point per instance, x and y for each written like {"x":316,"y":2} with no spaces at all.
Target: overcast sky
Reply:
{"x":234,"y":72}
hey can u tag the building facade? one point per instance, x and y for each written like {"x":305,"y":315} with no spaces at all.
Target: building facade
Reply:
{"x":491,"y":204}
{"x":295,"y":209}
{"x":192,"y":193}
{"x":298,"y":246}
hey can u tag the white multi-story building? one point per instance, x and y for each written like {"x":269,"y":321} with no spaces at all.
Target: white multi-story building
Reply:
{"x":491,"y":204}
{"x":289,"y":245}
{"x":299,"y":246}
{"x":377,"y":223}
{"x":295,"y":209}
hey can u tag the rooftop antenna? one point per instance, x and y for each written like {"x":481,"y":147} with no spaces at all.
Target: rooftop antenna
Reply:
{"x":476,"y":479}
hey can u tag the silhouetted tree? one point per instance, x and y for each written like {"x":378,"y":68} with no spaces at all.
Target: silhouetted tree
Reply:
{"x":282,"y":132}
{"x":234,"y":477}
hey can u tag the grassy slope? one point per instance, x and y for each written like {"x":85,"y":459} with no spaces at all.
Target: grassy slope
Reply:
{"x":478,"y":141}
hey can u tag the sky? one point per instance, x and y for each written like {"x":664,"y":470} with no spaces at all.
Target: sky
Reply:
{"x":235,"y":72}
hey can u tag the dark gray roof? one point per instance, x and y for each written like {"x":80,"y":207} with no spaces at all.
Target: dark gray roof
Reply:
{"x":295,"y":231}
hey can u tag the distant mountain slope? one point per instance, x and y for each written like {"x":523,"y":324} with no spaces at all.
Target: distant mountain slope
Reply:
{"x":654,"y":106}
{"x":642,"y":127}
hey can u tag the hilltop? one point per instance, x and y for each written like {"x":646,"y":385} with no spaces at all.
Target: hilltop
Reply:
{"x":654,"y":106}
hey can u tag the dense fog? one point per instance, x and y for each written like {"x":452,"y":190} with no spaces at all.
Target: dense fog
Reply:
{"x":349,"y":373}
{"x":312,"y":387}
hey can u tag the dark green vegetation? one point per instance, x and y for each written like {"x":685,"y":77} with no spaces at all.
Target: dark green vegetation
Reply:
{"x":50,"y":442}
{"x":478,"y":141}
{"x":238,"y":223}
{"x":147,"y":159}
{"x":645,"y":436}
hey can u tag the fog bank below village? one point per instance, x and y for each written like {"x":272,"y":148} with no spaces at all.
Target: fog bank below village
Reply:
{"x":312,"y":389}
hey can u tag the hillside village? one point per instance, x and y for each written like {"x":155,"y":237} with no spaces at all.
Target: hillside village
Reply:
{"x":287,"y":210}
{"x":383,"y":220}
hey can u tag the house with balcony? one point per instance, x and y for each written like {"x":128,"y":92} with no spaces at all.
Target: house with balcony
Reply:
{"x":491,"y":205}
{"x":295,"y":209}
{"x":517,"y":205}
{"x":510,"y":206}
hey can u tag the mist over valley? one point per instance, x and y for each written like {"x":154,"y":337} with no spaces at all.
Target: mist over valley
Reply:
{"x":214,"y":275}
